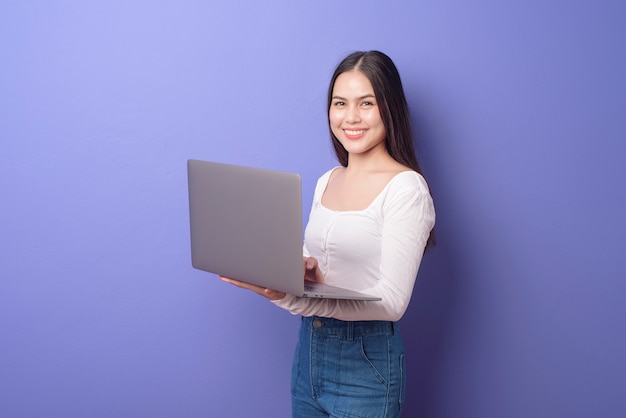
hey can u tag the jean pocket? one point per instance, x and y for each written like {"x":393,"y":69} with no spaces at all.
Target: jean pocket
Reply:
{"x":375,"y":352}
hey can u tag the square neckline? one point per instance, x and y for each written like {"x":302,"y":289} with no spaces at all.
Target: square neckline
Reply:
{"x":369,"y":206}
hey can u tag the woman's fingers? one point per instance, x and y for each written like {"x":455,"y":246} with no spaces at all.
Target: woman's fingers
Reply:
{"x":263,"y":291}
{"x":312,"y":273}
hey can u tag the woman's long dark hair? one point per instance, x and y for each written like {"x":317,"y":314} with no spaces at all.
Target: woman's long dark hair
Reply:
{"x":394,"y":111}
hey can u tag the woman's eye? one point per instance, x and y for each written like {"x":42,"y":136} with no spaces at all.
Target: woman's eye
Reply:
{"x":339,"y":103}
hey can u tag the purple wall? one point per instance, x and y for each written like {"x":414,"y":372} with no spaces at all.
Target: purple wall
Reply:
{"x":518,"y":312}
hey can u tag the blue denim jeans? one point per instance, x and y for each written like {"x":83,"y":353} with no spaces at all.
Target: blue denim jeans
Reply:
{"x":348,"y":369}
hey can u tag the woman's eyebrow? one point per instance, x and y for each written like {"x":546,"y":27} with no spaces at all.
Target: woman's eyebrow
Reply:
{"x":365,"y":96}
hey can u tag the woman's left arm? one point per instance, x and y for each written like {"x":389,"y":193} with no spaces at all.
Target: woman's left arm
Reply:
{"x":408,"y":220}
{"x":407,"y":216}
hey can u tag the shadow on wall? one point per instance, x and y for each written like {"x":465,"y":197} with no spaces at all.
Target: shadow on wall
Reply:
{"x":436,"y":296}
{"x":432,"y":317}
{"x":424,"y":328}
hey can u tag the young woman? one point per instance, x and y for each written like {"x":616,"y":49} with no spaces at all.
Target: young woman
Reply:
{"x":368,"y":227}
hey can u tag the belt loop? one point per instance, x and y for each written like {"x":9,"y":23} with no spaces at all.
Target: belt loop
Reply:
{"x":394,"y":328}
{"x":350,"y":331}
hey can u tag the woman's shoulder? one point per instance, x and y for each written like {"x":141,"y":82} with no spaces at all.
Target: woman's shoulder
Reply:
{"x":407,"y":186}
{"x":324,"y":178}
{"x":408,"y":189}
{"x":408,"y":180}
{"x":322,"y":182}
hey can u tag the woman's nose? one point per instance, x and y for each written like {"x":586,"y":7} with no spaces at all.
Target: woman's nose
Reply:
{"x":353,"y":114}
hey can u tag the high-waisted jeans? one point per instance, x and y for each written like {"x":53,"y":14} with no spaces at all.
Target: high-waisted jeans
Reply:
{"x":348,"y":369}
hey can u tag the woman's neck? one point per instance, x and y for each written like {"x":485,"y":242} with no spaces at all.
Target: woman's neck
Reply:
{"x":380,"y":161}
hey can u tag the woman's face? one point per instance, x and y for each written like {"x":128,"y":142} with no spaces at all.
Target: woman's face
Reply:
{"x":354,"y":114}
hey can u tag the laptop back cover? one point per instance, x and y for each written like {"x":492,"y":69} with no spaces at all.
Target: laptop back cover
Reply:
{"x":246,"y":223}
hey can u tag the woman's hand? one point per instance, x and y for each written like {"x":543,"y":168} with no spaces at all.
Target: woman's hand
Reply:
{"x":263,"y":291}
{"x":312,"y":273}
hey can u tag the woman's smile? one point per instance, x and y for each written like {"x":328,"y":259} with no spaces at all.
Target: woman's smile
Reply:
{"x":354,"y":133}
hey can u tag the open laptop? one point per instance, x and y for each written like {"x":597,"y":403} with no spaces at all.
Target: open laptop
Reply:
{"x":246,"y":224}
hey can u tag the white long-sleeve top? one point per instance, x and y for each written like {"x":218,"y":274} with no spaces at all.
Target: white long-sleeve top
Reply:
{"x":377,"y":250}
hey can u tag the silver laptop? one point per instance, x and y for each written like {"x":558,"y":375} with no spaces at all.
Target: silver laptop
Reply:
{"x":246,"y":223}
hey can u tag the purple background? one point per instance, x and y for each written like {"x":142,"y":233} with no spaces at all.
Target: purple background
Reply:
{"x":521,"y":111}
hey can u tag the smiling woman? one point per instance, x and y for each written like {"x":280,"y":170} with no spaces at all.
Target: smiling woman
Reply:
{"x":518,"y":110}
{"x":370,"y":222}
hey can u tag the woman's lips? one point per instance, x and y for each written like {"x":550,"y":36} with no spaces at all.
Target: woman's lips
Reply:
{"x":354,"y":133}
